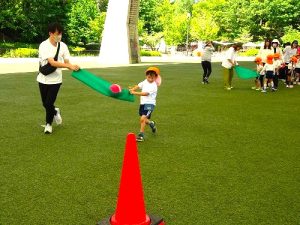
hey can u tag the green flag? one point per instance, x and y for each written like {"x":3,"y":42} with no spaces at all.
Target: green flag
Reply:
{"x":245,"y":73}
{"x":101,"y":85}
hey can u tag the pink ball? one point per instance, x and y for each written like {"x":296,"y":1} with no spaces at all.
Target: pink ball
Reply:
{"x":115,"y":88}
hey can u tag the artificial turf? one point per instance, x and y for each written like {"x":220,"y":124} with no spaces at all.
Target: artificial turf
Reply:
{"x":219,"y":157}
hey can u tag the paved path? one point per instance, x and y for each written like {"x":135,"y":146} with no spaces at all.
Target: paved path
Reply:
{"x":23,"y":65}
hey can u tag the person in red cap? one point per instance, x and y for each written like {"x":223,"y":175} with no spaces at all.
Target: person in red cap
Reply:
{"x":291,"y":72}
{"x":297,"y":69}
{"x":147,"y":93}
{"x":260,"y":74}
{"x":269,"y":69}
{"x":277,"y":64}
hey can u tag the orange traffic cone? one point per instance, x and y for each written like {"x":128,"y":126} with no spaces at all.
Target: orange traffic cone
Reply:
{"x":130,"y":206}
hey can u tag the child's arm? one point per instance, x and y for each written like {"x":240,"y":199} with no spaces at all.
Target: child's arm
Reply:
{"x":134,"y":88}
{"x":133,"y":91}
{"x":138,"y":93}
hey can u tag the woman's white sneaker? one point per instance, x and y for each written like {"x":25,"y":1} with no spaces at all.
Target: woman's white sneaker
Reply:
{"x":48,"y":129}
{"x":57,"y":117}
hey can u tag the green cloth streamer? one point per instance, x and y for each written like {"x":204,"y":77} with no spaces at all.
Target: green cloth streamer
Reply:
{"x":245,"y":73}
{"x":100,"y":85}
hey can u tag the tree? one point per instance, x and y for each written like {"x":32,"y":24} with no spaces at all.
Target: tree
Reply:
{"x":27,"y":20}
{"x":174,"y":22}
{"x":203,"y":25}
{"x":82,"y":16}
{"x":291,"y":34}
{"x":148,"y":16}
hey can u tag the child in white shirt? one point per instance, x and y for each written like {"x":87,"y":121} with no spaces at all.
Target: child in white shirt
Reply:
{"x":277,"y":65}
{"x":297,"y":69}
{"x":269,"y":69}
{"x":259,"y":68}
{"x":147,"y":95}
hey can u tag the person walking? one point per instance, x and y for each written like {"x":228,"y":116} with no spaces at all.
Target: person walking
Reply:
{"x":228,"y":63}
{"x":53,"y":56}
{"x":206,"y":61}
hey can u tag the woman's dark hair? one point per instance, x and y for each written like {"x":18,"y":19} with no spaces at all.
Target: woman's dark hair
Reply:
{"x":53,"y":27}
{"x":286,"y":44}
{"x":294,"y":42}
{"x":237,"y":45}
{"x":265,"y":45}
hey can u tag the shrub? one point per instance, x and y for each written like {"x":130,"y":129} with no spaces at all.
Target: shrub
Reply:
{"x":149,"y":53}
{"x":250,"y":52}
{"x":21,"y":53}
{"x":77,"y":49}
{"x":14,"y":45}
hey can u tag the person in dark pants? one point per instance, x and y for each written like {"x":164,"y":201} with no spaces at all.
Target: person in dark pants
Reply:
{"x":206,"y":61}
{"x":49,"y":84}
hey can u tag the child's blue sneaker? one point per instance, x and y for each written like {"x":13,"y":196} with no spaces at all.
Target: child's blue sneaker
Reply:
{"x":140,"y":137}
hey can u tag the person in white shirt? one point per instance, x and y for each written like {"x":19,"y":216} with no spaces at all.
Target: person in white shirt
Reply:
{"x":277,"y":65}
{"x":269,"y":69}
{"x":287,"y":54}
{"x":229,"y":62}
{"x":259,"y":68}
{"x":206,"y":61}
{"x":276,"y":47}
{"x":291,"y":72}
{"x":49,"y":84}
{"x":147,"y":95}
{"x":264,"y":51}
{"x":297,"y":69}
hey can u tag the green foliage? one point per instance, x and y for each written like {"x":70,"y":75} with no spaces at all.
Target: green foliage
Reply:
{"x":27,"y":20}
{"x":151,"y":40}
{"x":175,"y":24}
{"x":77,"y":49}
{"x":290,"y":34}
{"x":83,"y":18}
{"x":249,"y":52}
{"x":21,"y":53}
{"x":102,"y":5}
{"x":149,"y":53}
{"x":148,"y":16}
{"x":13,"y":45}
{"x":96,"y":28}
{"x":203,"y":24}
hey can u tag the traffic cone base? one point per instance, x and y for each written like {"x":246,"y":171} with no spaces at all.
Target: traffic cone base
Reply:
{"x":154,"y":220}
{"x":113,"y":221}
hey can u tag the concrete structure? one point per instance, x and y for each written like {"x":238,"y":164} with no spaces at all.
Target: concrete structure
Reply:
{"x":120,"y":36}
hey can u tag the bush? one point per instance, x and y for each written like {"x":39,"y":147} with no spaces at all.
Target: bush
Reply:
{"x":14,"y":45}
{"x":149,"y":53}
{"x":250,"y":52}
{"x":21,"y":53}
{"x":77,"y":49}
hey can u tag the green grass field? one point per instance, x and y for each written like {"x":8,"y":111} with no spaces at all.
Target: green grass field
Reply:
{"x":219,"y":157}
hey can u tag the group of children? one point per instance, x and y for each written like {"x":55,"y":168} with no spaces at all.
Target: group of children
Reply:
{"x":273,"y":65}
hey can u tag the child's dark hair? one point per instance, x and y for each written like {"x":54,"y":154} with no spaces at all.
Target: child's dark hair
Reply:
{"x":265,"y":45}
{"x":151,"y":73}
{"x":53,"y":27}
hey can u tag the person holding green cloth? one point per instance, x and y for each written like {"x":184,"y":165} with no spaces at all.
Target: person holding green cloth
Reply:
{"x":229,"y":62}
